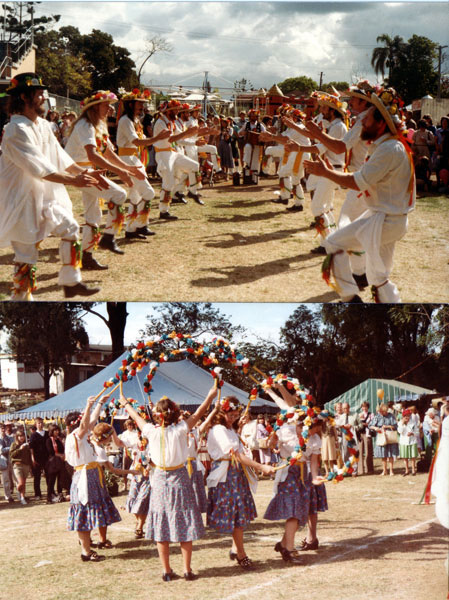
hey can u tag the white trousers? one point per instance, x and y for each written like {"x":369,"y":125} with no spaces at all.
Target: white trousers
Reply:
{"x":171,"y":166}
{"x":251,"y":156}
{"x":376,"y":234}
{"x":93,"y":212}
{"x":352,"y":208}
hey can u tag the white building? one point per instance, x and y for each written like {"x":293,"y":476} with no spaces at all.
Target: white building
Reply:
{"x":17,"y":376}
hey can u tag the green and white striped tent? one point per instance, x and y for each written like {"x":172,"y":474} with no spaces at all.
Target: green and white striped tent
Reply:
{"x":395,"y":391}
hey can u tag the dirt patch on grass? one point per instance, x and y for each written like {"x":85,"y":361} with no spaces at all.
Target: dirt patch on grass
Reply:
{"x":241,"y":247}
{"x":376,"y":542}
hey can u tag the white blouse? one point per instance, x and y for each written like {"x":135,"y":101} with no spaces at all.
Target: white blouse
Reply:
{"x":167,"y":446}
{"x":79,"y":451}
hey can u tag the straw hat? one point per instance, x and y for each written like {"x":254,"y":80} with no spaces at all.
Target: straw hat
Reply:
{"x":298,"y":113}
{"x":97,"y":98}
{"x":24,"y":81}
{"x":170,"y":105}
{"x":362,"y":89}
{"x":333,"y":102}
{"x":387,"y":101}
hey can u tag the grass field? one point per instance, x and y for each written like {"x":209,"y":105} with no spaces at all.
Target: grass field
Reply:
{"x":376,"y":543}
{"x":241,"y":247}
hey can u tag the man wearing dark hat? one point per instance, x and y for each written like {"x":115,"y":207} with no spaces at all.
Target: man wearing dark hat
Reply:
{"x":387,"y":183}
{"x":33,"y":200}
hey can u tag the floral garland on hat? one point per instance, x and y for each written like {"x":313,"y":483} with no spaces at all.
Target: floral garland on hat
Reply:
{"x":135,"y":94}
{"x":100,"y":96}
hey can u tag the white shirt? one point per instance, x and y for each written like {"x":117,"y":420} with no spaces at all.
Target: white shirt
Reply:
{"x":249,"y":434}
{"x":130,"y":439}
{"x":357,"y":147}
{"x":30,"y":152}
{"x":288,"y":440}
{"x":384,"y":179}
{"x":404,"y":430}
{"x":161,"y":125}
{"x":221,"y":441}
{"x":167,"y":446}
{"x":83,"y":134}
{"x":337,"y":130}
{"x":86,"y":451}
{"x":126,"y":133}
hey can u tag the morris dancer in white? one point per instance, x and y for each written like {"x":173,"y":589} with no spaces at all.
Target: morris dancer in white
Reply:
{"x":357,"y":149}
{"x":89,"y":145}
{"x":322,"y":200}
{"x":387,"y":182}
{"x":275,"y":152}
{"x":170,"y":163}
{"x":291,"y":170}
{"x":199,"y":145}
{"x":33,"y":203}
{"x":252,"y":150}
{"x":131,"y":141}
{"x":189,"y":183}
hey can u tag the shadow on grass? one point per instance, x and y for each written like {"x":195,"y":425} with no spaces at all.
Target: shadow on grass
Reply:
{"x":245,"y":218}
{"x":237,"y":239}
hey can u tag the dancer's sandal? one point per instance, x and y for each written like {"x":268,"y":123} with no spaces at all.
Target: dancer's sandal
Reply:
{"x":291,"y":556}
{"x":232,"y":555}
{"x":105,"y":544}
{"x":169,"y":576}
{"x":305,"y":545}
{"x":138,"y":534}
{"x":245,"y":563}
{"x":279,"y":547}
{"x":92,"y":557}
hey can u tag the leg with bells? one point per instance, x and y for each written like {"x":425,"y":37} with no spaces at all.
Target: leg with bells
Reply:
{"x":166,"y":169}
{"x":115,"y":197}
{"x":91,"y":229}
{"x":24,"y":278}
{"x":255,"y":162}
{"x":212,"y":150}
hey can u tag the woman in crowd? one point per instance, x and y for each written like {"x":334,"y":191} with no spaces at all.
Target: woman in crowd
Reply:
{"x":408,"y":440}
{"x":20,"y":455}
{"x":329,"y":438}
{"x":224,"y":148}
{"x":55,"y":466}
{"x":231,"y":505}
{"x":385,"y":421}
{"x":173,"y":514}
{"x":262,"y":441}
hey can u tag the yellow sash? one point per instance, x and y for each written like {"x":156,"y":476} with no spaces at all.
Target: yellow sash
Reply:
{"x":169,"y":149}
{"x":128,"y":151}
{"x":93,"y":465}
{"x":169,"y":468}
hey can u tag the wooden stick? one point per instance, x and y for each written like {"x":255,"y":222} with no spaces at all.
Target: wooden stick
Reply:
{"x":253,"y":378}
{"x":260,"y":372}
{"x":107,"y":389}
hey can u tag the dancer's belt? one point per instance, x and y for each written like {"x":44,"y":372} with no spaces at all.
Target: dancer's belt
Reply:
{"x":93,"y":465}
{"x":190,"y":460}
{"x":84,"y":164}
{"x":128,"y":151}
{"x":169,"y":149}
{"x":169,"y":468}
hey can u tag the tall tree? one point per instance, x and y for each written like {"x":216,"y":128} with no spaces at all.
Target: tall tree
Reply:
{"x":116,"y":322}
{"x":387,"y":56}
{"x":155,"y":45}
{"x":43,"y":335}
{"x":18,"y":17}
{"x":303,"y":85}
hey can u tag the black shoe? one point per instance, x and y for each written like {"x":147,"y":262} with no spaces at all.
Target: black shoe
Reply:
{"x":11,"y":500}
{"x":190,"y":576}
{"x":305,"y":545}
{"x":179,"y":198}
{"x":232,"y":555}
{"x":295,"y":208}
{"x":318,"y":250}
{"x":196,"y":197}
{"x":79,"y":289}
{"x":145,"y":231}
{"x":92,"y":557}
{"x":291,"y":556}
{"x":355,"y":300}
{"x":108,"y":243}
{"x":280,"y":201}
{"x":167,"y":216}
{"x":134,"y":235}
{"x":91,"y":264}
{"x":279,"y":547}
{"x":169,"y":576}
{"x":361,"y":281}
{"x":312,"y":225}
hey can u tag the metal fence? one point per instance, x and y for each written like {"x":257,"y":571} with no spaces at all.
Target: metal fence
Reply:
{"x":61,"y":104}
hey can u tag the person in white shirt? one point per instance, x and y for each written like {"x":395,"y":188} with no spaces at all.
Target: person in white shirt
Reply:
{"x":231,"y":505}
{"x":173,"y":514}
{"x":334,"y":110}
{"x":440,"y":476}
{"x":34,"y":202}
{"x":408,"y":441}
{"x":388,"y":185}
{"x":89,"y":146}
{"x":357,"y":150}
{"x":131,"y":142}
{"x":291,"y":169}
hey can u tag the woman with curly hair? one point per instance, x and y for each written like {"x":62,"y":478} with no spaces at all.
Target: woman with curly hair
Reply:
{"x":173,"y":514}
{"x":231,"y":505}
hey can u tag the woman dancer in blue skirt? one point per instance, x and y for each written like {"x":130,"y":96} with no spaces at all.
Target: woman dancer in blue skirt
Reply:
{"x":173,"y":514}
{"x":231,"y":505}
{"x":90,"y":503}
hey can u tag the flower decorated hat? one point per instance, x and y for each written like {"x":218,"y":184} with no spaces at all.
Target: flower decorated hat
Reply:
{"x":333,"y":102}
{"x":170,"y":105}
{"x":389,"y":104}
{"x":135,"y":95}
{"x":24,"y":81}
{"x":97,"y":98}
{"x":362,"y":89}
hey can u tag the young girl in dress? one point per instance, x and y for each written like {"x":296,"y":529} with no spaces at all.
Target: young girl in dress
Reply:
{"x":298,"y":490}
{"x":231,"y":505}
{"x":408,"y":441}
{"x":173,"y":513}
{"x":195,"y":468}
{"x":90,"y":503}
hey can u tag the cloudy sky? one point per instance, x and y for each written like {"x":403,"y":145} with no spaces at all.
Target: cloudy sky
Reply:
{"x":263,"y":42}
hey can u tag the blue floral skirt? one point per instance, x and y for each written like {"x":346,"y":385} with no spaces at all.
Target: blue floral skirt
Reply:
{"x":199,"y":488}
{"x":99,"y":511}
{"x":173,"y":515}
{"x":388,"y":451}
{"x":230,"y":503}
{"x":292,"y":500}
{"x":138,"y":500}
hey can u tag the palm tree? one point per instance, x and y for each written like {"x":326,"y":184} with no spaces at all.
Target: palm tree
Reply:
{"x":387,"y":56}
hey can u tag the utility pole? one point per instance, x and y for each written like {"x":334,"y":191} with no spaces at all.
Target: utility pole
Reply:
{"x":440,"y":54}
{"x":205,"y":87}
{"x":321,"y":80}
